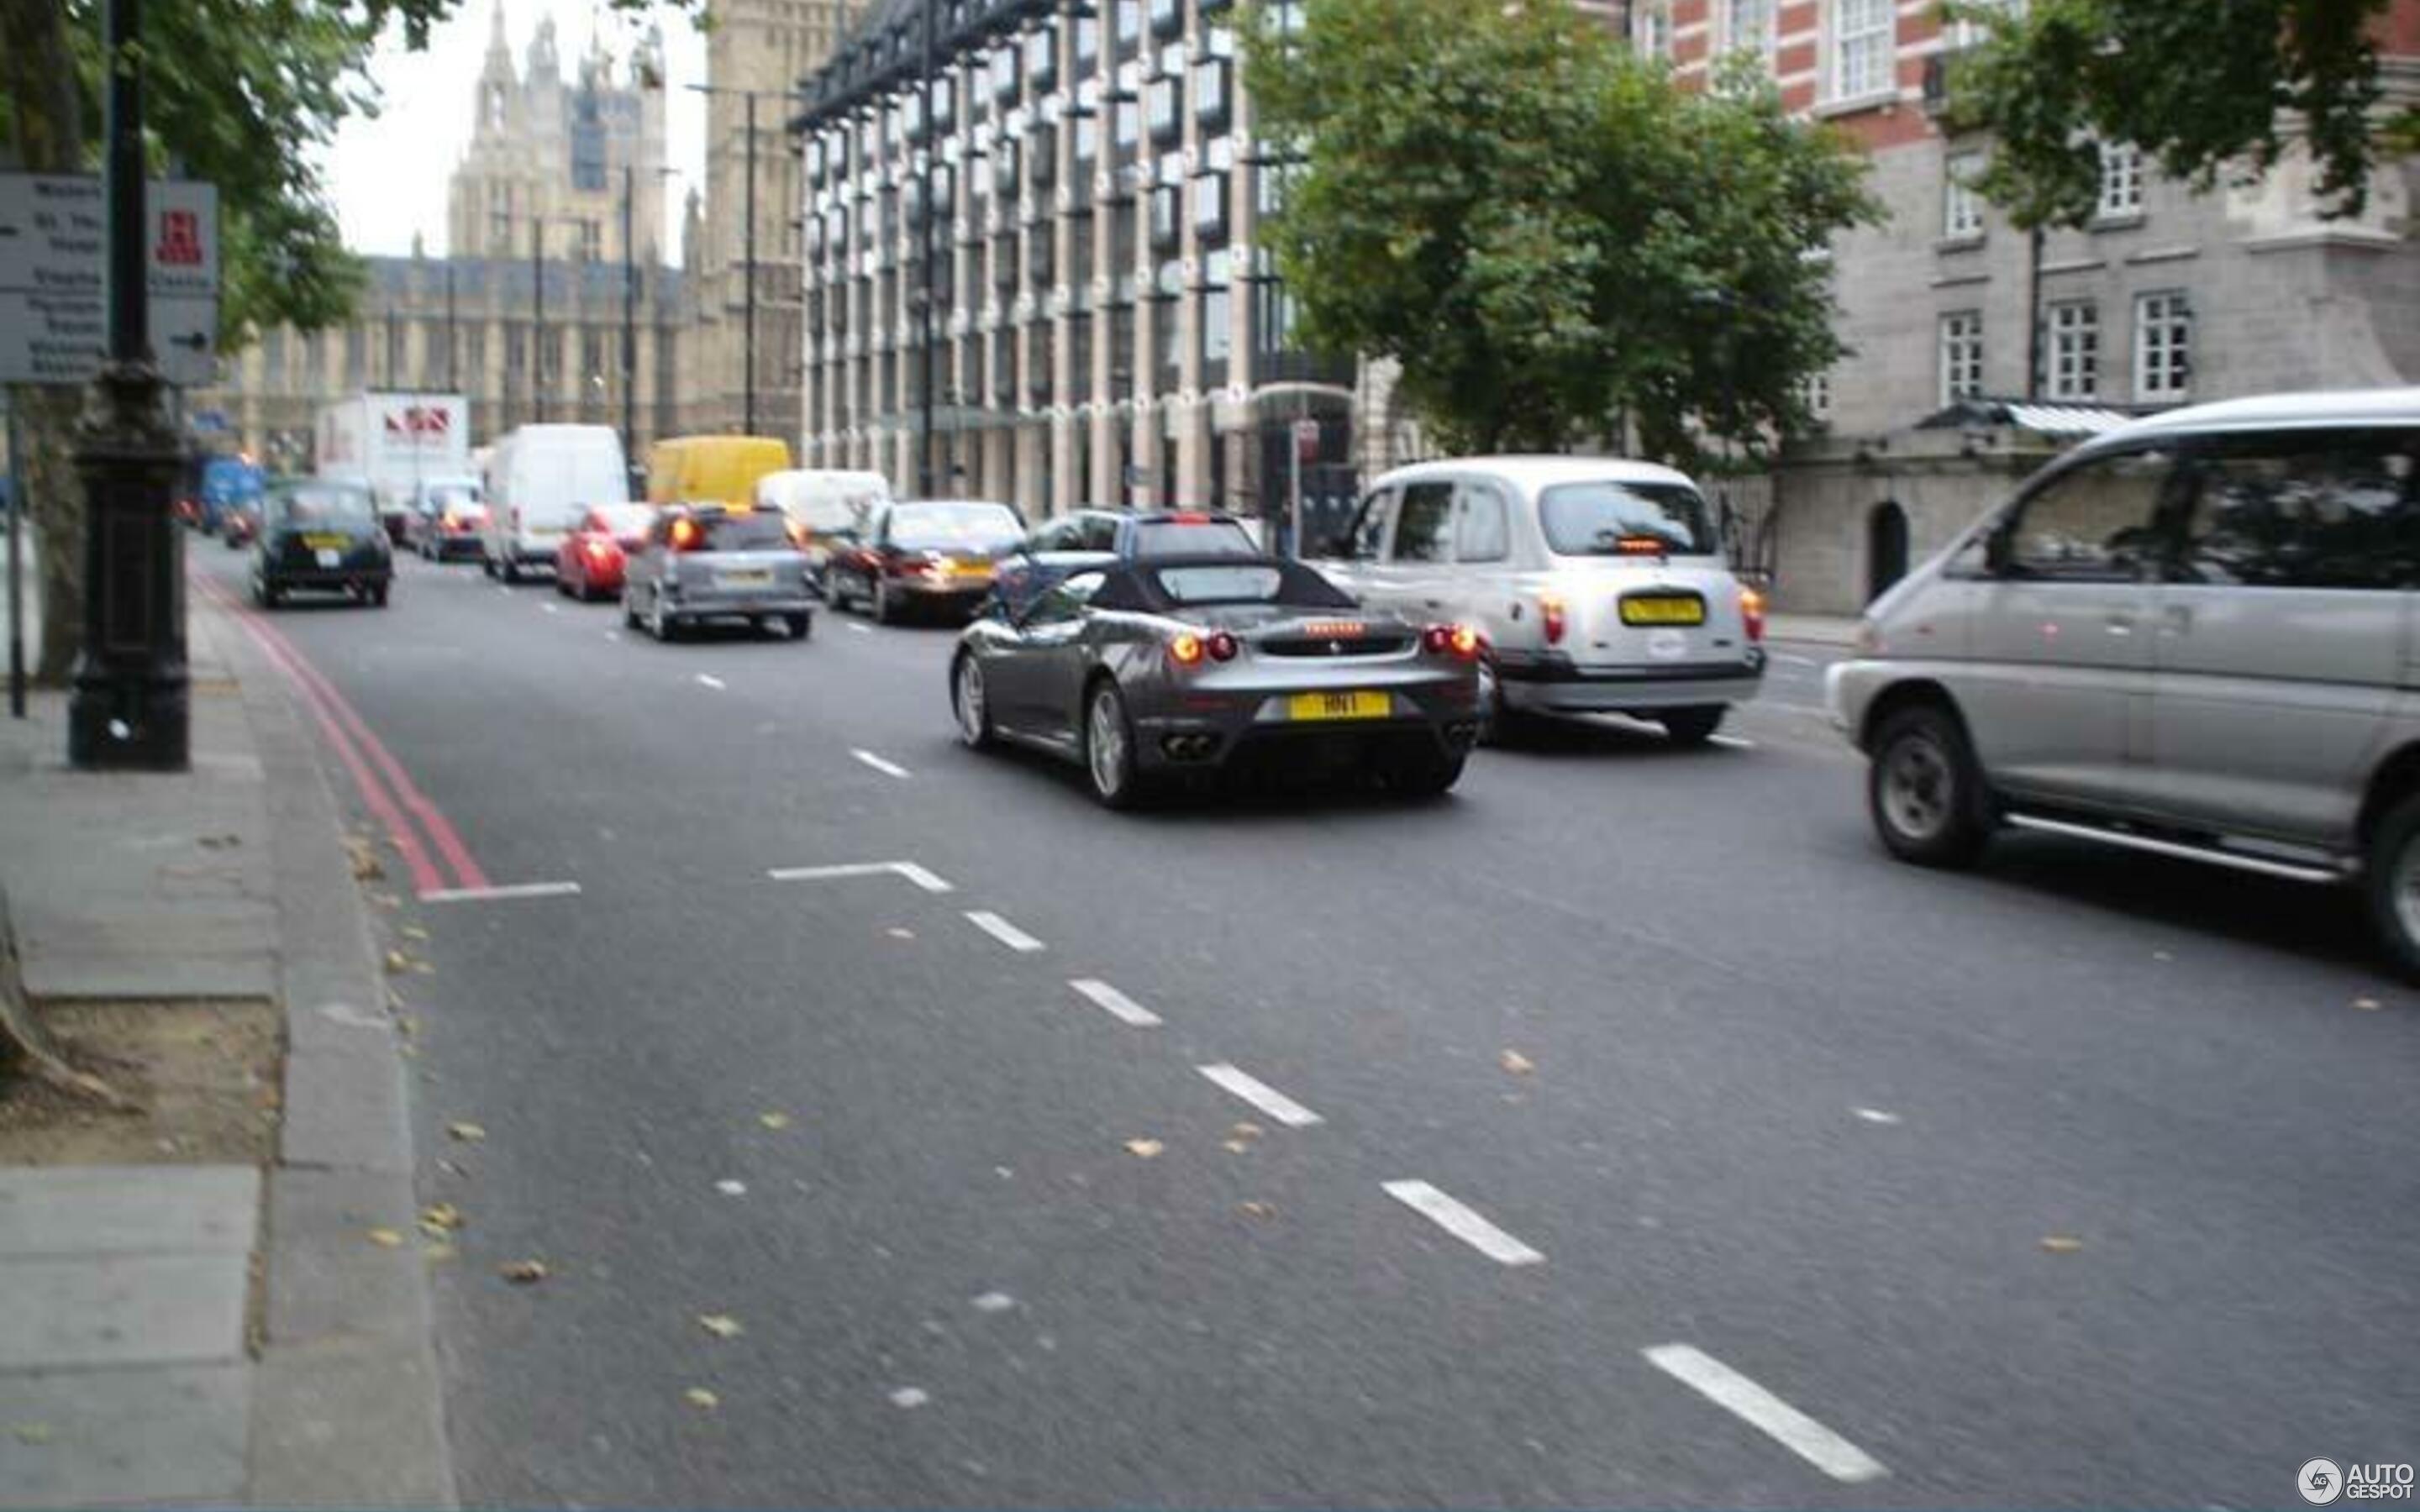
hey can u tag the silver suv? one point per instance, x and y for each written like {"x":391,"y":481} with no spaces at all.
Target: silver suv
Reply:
{"x":2194,"y":636}
{"x":1600,"y":586}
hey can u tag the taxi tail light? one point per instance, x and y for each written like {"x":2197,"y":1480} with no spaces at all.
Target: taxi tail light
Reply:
{"x":1551,"y":610}
{"x":1222,"y":647}
{"x":1752,"y":614}
{"x":1187,"y":649}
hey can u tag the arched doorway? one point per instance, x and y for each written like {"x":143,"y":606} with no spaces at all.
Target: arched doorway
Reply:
{"x":1885,"y":547}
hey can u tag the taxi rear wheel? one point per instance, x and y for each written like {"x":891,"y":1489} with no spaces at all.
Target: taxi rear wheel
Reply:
{"x":1692,"y":726}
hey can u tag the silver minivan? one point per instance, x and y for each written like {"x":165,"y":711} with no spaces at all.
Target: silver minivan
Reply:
{"x":1600,"y":586}
{"x":2193,"y":635}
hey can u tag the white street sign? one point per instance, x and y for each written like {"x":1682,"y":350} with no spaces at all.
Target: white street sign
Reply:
{"x":54,"y":313}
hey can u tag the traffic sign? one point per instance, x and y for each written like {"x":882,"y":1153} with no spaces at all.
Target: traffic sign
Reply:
{"x":54,"y":312}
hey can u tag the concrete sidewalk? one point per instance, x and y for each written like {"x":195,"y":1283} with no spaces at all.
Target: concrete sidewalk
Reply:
{"x":213,"y":1333}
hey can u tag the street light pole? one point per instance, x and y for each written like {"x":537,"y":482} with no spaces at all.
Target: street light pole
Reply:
{"x":925,"y":309}
{"x":129,"y":706}
{"x":748,"y":275}
{"x":537,"y":341}
{"x":629,"y":322}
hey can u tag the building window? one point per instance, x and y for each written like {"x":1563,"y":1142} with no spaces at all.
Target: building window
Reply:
{"x":1650,"y":29}
{"x":499,"y":219}
{"x":1961,"y":207}
{"x":1815,"y":391}
{"x":1748,"y":27}
{"x":396,"y":377}
{"x":1861,"y":48}
{"x":1962,"y":356}
{"x":2163,"y":346}
{"x":2121,"y":181}
{"x":2075,"y":350}
{"x":592,"y":241}
{"x":1965,"y":33}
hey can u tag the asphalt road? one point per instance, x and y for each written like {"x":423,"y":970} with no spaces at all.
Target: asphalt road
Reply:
{"x":1740,"y":1143}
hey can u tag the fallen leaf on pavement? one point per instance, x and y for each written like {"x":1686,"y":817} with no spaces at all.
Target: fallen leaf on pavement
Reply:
{"x":698,"y":1397}
{"x":441,"y":1219}
{"x":438,"y":1254}
{"x":413,"y":932}
{"x":722,"y":1325}
{"x":366,"y":866}
{"x":903,"y":934}
{"x":470,"y":1134}
{"x":385,"y":1237}
{"x":1144,"y":1149}
{"x":1246,"y":1130}
{"x":729,"y":1188}
{"x":1256,"y":1210}
{"x":775,"y":1121}
{"x":1238,"y":1147}
{"x":397,"y":963}
{"x":910,"y":1397}
{"x":524,"y":1273}
{"x":1517,"y":1063}
{"x":2062,"y":1243}
{"x":2367,"y":1004}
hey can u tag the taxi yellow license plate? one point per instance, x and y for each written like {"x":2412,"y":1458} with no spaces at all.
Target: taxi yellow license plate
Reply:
{"x":1338,"y":706}
{"x":327,"y":543}
{"x":1663,"y":612}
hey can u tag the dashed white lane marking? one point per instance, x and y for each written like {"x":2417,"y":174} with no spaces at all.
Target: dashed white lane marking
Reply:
{"x":1003,"y":931}
{"x":1462,"y":1223}
{"x":886,"y":769}
{"x":856,"y":628}
{"x":907,"y":870}
{"x":1731,"y":742}
{"x":709,"y":680}
{"x":1261,"y":1095}
{"x":1875,"y":1114}
{"x":1798,"y":1433}
{"x":1788,"y":660}
{"x":1117,"y":1004}
{"x":517,"y":889}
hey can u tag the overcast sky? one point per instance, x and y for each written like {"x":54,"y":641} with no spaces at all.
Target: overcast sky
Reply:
{"x":388,"y":176}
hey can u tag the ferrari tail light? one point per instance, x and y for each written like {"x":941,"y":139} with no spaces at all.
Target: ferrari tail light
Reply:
{"x":1223,"y":647}
{"x":1450,"y":640}
{"x":1752,"y":614}
{"x":1551,"y":610}
{"x":1187,"y":649}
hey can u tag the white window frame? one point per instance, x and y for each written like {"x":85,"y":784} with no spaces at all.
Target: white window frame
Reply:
{"x":2121,"y":182}
{"x":1767,"y":40}
{"x":2074,"y":350}
{"x":1961,"y":205}
{"x":1960,"y":345}
{"x":1650,"y":29}
{"x":1815,"y":391}
{"x":1875,"y":71}
{"x":1966,"y":34}
{"x":2163,"y":325}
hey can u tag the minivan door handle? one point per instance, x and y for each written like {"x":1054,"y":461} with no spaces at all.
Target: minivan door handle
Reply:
{"x":2120,"y":623}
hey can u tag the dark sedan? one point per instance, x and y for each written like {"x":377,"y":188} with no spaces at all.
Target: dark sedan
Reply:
{"x":931,"y":554}
{"x":321,"y":537}
{"x":1144,"y":673}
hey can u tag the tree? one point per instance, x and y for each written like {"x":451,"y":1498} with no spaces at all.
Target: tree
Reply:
{"x":2207,"y":88}
{"x":1546,"y":233}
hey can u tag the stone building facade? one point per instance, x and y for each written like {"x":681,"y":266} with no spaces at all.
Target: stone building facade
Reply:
{"x":2168,"y":297}
{"x":1104,"y":328}
{"x":528,"y":317}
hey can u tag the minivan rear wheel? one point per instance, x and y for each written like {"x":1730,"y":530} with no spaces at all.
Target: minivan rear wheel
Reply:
{"x":2391,"y":876}
{"x":1925,"y":790}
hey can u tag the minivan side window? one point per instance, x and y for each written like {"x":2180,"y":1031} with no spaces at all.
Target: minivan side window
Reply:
{"x":2325,"y":509}
{"x":1424,"y":526}
{"x":1481,"y":532}
{"x":2099,"y":522}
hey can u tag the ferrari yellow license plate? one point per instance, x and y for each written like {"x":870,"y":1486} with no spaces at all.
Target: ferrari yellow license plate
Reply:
{"x":327,"y":543}
{"x":1339,"y":706}
{"x":1663,"y":611}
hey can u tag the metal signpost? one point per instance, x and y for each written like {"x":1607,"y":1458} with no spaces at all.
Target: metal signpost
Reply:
{"x":117,"y":282}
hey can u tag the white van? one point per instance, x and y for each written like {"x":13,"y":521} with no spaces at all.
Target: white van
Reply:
{"x":824,"y":508}
{"x":540,"y":481}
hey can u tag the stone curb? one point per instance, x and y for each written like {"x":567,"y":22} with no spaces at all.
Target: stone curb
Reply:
{"x":346,"y":1409}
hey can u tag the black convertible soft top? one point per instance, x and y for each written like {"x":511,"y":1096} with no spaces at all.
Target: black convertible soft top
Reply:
{"x":1167,"y":585}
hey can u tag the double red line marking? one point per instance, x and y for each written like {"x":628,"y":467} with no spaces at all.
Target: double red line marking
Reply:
{"x":386,"y":787}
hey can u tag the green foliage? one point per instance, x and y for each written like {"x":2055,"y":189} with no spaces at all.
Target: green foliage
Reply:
{"x":2206,"y":88}
{"x":1547,"y":234}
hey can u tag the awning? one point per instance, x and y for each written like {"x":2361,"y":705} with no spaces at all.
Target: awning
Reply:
{"x":2064,"y":420}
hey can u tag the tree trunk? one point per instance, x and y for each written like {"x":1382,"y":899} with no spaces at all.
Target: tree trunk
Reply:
{"x":38,"y":75}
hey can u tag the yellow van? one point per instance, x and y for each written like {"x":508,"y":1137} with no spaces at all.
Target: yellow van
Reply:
{"x":712,"y":469}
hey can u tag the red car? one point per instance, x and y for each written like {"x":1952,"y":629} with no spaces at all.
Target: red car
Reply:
{"x":589,"y":563}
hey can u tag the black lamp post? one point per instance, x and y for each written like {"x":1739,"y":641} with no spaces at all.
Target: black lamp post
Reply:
{"x":129,"y":708}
